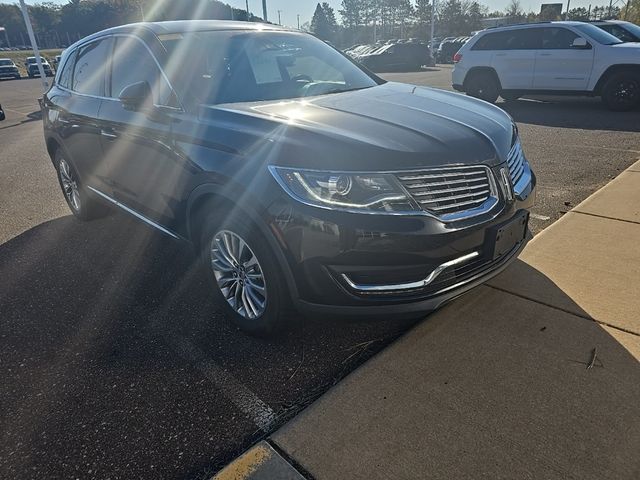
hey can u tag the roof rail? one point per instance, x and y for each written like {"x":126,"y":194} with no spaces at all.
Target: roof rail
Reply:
{"x":518,"y":24}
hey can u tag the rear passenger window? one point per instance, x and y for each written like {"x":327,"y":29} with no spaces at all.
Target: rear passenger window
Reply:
{"x":523,"y":39}
{"x":89,"y":69}
{"x":64,"y":79}
{"x":556,"y":38}
{"x":132,"y":63}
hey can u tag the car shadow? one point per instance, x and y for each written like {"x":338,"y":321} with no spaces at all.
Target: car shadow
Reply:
{"x":31,"y":117}
{"x":570,"y":112}
{"x":94,"y":320}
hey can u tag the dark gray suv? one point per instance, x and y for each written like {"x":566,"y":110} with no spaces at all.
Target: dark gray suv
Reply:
{"x":304,"y":182}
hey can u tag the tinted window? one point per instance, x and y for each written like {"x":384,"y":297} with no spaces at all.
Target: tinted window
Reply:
{"x":64,"y":77}
{"x":132,"y":63}
{"x":597,"y":34}
{"x":89,"y":69}
{"x":524,"y":39}
{"x":619,"y":32}
{"x":556,"y":38}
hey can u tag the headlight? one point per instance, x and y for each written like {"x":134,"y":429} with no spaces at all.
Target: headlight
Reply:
{"x":348,"y":191}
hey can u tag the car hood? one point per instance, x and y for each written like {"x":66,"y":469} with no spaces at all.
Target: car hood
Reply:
{"x":387,"y":127}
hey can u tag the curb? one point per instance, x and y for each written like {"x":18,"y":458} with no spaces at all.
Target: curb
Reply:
{"x":260,"y":462}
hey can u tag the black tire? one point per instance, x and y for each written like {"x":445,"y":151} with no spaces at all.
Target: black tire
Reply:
{"x":276,"y":313}
{"x":510,"y":96}
{"x":621,"y":92}
{"x":81,"y":203}
{"x":483,"y":85}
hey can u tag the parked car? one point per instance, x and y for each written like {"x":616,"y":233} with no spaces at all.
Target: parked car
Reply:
{"x":571,"y":58}
{"x":31,"y":64}
{"x":625,"y":31}
{"x":2,"y":116}
{"x":448,"y":48}
{"x":305,"y":182}
{"x":8,"y":69}
{"x":398,"y":56}
{"x":56,"y":61}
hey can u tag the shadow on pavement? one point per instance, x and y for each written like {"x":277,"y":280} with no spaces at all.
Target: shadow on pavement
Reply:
{"x":31,"y":117}
{"x":91,"y":382}
{"x":568,"y":112}
{"x":491,"y":386}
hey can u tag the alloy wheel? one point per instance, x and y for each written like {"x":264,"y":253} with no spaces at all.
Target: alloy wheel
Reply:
{"x":69,"y":184}
{"x":626,"y":92}
{"x":238,"y":274}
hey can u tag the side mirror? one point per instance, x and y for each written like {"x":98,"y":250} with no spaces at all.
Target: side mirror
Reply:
{"x":580,"y":42}
{"x":2,"y":117}
{"x":136,"y":96}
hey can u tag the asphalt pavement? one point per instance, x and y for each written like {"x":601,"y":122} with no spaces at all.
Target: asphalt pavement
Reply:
{"x":114,"y":361}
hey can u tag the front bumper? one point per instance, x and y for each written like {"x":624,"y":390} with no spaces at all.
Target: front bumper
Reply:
{"x":8,"y":73}
{"x":333,"y":255}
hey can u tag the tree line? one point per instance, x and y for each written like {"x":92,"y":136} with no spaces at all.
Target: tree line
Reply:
{"x":59,"y":25}
{"x":365,"y":21}
{"x":356,"y":21}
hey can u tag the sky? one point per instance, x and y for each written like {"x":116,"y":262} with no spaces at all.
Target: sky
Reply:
{"x":305,"y":8}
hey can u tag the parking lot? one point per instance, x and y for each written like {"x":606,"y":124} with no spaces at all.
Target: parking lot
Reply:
{"x":113,"y":365}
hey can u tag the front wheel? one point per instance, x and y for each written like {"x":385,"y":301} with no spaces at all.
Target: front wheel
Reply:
{"x":245,"y":278}
{"x":622,"y":91}
{"x":483,"y":85}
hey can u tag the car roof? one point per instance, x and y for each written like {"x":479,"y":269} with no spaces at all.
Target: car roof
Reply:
{"x":604,"y":22}
{"x":6,"y":59}
{"x":182,"y":26}
{"x":530,"y":25}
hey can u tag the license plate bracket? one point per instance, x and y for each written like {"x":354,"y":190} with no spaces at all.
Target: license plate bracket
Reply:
{"x":510,"y":234}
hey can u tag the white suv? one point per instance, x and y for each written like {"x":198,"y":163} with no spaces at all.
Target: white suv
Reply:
{"x":549,"y":58}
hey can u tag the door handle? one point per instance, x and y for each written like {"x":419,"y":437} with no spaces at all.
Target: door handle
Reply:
{"x":545,"y":54}
{"x":501,"y":54}
{"x":108,"y":134}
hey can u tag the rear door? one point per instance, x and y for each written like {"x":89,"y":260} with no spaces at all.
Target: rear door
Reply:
{"x":512,"y":55}
{"x":559,"y":66}
{"x":75,"y":110}
{"x":516,"y":57}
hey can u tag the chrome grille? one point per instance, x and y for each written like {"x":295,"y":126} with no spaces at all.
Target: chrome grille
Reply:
{"x":450,"y":192}
{"x":516,"y":163}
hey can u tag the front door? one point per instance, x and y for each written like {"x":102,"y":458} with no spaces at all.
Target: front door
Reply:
{"x":559,"y":66}
{"x":147,"y":172}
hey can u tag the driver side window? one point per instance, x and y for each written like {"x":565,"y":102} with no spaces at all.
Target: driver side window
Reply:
{"x":133,"y":63}
{"x":557,"y":38}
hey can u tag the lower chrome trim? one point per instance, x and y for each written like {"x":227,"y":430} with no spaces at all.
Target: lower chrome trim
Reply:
{"x":364,"y":288}
{"x":134,"y":213}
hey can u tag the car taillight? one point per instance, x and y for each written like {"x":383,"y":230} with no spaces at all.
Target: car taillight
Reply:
{"x":457,"y":57}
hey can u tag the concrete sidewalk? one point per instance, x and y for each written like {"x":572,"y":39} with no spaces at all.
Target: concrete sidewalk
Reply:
{"x":534,"y":375}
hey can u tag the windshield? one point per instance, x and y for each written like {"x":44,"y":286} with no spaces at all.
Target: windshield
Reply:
{"x":224,"y":67}
{"x":5,"y":62}
{"x":631,"y":27}
{"x":597,"y":34}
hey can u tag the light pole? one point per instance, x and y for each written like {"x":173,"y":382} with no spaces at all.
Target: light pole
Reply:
{"x":433,"y":16}
{"x":298,"y":21}
{"x":34,"y":45}
{"x":279,"y":21}
{"x":264,"y":10}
